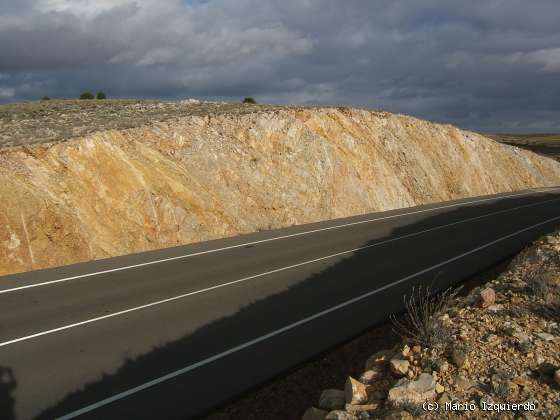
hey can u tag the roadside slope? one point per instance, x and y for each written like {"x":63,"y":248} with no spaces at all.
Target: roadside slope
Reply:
{"x":499,"y":349}
{"x":196,"y":178}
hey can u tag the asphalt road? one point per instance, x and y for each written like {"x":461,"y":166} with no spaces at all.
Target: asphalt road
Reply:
{"x":171,"y":333}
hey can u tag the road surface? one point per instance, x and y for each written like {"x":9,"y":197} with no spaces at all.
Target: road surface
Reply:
{"x":171,"y":333}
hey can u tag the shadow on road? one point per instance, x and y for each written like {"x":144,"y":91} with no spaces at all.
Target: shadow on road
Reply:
{"x":355,"y":274}
{"x":7,"y":386}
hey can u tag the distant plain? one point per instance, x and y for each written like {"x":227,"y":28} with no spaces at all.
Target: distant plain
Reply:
{"x":545,"y":144}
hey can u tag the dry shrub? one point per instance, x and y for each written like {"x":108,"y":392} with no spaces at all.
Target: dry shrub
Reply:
{"x":422,"y":321}
{"x":542,"y":283}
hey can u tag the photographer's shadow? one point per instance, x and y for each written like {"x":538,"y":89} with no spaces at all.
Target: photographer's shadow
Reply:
{"x":7,"y":386}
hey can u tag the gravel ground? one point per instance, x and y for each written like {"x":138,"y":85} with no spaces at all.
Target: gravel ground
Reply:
{"x":28,"y":123}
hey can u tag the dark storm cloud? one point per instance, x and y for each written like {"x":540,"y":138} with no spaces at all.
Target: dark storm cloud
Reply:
{"x":486,"y":64}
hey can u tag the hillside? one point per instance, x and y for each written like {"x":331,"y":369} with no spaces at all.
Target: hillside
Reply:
{"x":146,"y":175}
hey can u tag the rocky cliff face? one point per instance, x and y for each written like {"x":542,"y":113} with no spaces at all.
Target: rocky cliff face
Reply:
{"x":202,"y":177}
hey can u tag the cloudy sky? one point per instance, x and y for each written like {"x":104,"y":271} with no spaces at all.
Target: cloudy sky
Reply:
{"x":490,"y":65}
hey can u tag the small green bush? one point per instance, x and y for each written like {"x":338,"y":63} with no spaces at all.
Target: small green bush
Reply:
{"x":249,"y":100}
{"x":45,"y":98}
{"x":101,"y":95}
{"x":87,"y":95}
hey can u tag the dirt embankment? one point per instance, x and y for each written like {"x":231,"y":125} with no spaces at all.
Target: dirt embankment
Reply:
{"x":190,"y":173}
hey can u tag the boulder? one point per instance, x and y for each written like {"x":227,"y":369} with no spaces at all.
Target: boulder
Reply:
{"x":355,"y":391}
{"x":441,"y":366}
{"x":510,"y":328}
{"x":521,"y":336}
{"x":398,"y":415}
{"x":360,"y":408}
{"x":381,"y":358}
{"x":459,"y":356}
{"x":399,"y":367}
{"x":313,"y":413}
{"x":377,"y":395}
{"x":495,"y":308}
{"x":370,"y":375}
{"x":332,"y":399}
{"x":340,"y":415}
{"x":418,"y":391}
{"x":486,"y":297}
{"x":405,"y":351}
{"x":546,"y":369}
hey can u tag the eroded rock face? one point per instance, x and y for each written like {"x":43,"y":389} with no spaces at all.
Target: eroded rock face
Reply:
{"x":204,"y":177}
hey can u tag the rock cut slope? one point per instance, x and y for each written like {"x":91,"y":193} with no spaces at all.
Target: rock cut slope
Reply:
{"x":197,"y":177}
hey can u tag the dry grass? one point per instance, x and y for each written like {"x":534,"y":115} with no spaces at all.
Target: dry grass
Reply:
{"x":551,"y":308}
{"x":412,"y":407}
{"x":422,"y":322}
{"x":541,"y":283}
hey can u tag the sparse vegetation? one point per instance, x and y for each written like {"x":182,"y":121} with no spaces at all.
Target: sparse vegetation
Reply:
{"x":249,"y":100}
{"x":505,"y":375}
{"x":423,"y":312}
{"x":525,"y":346}
{"x":43,"y":122}
{"x":45,"y":98}
{"x":411,"y":407}
{"x":540,"y":284}
{"x":551,"y":308}
{"x":501,"y":389}
{"x":516,"y":312}
{"x":87,"y":95}
{"x":101,"y":95}
{"x":462,"y":347}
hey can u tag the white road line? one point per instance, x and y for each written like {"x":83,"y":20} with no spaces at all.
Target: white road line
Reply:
{"x":285,"y":328}
{"x":244,"y":279}
{"x":128,"y":267}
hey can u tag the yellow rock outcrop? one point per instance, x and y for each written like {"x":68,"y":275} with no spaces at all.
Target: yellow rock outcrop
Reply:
{"x":197,"y":178}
